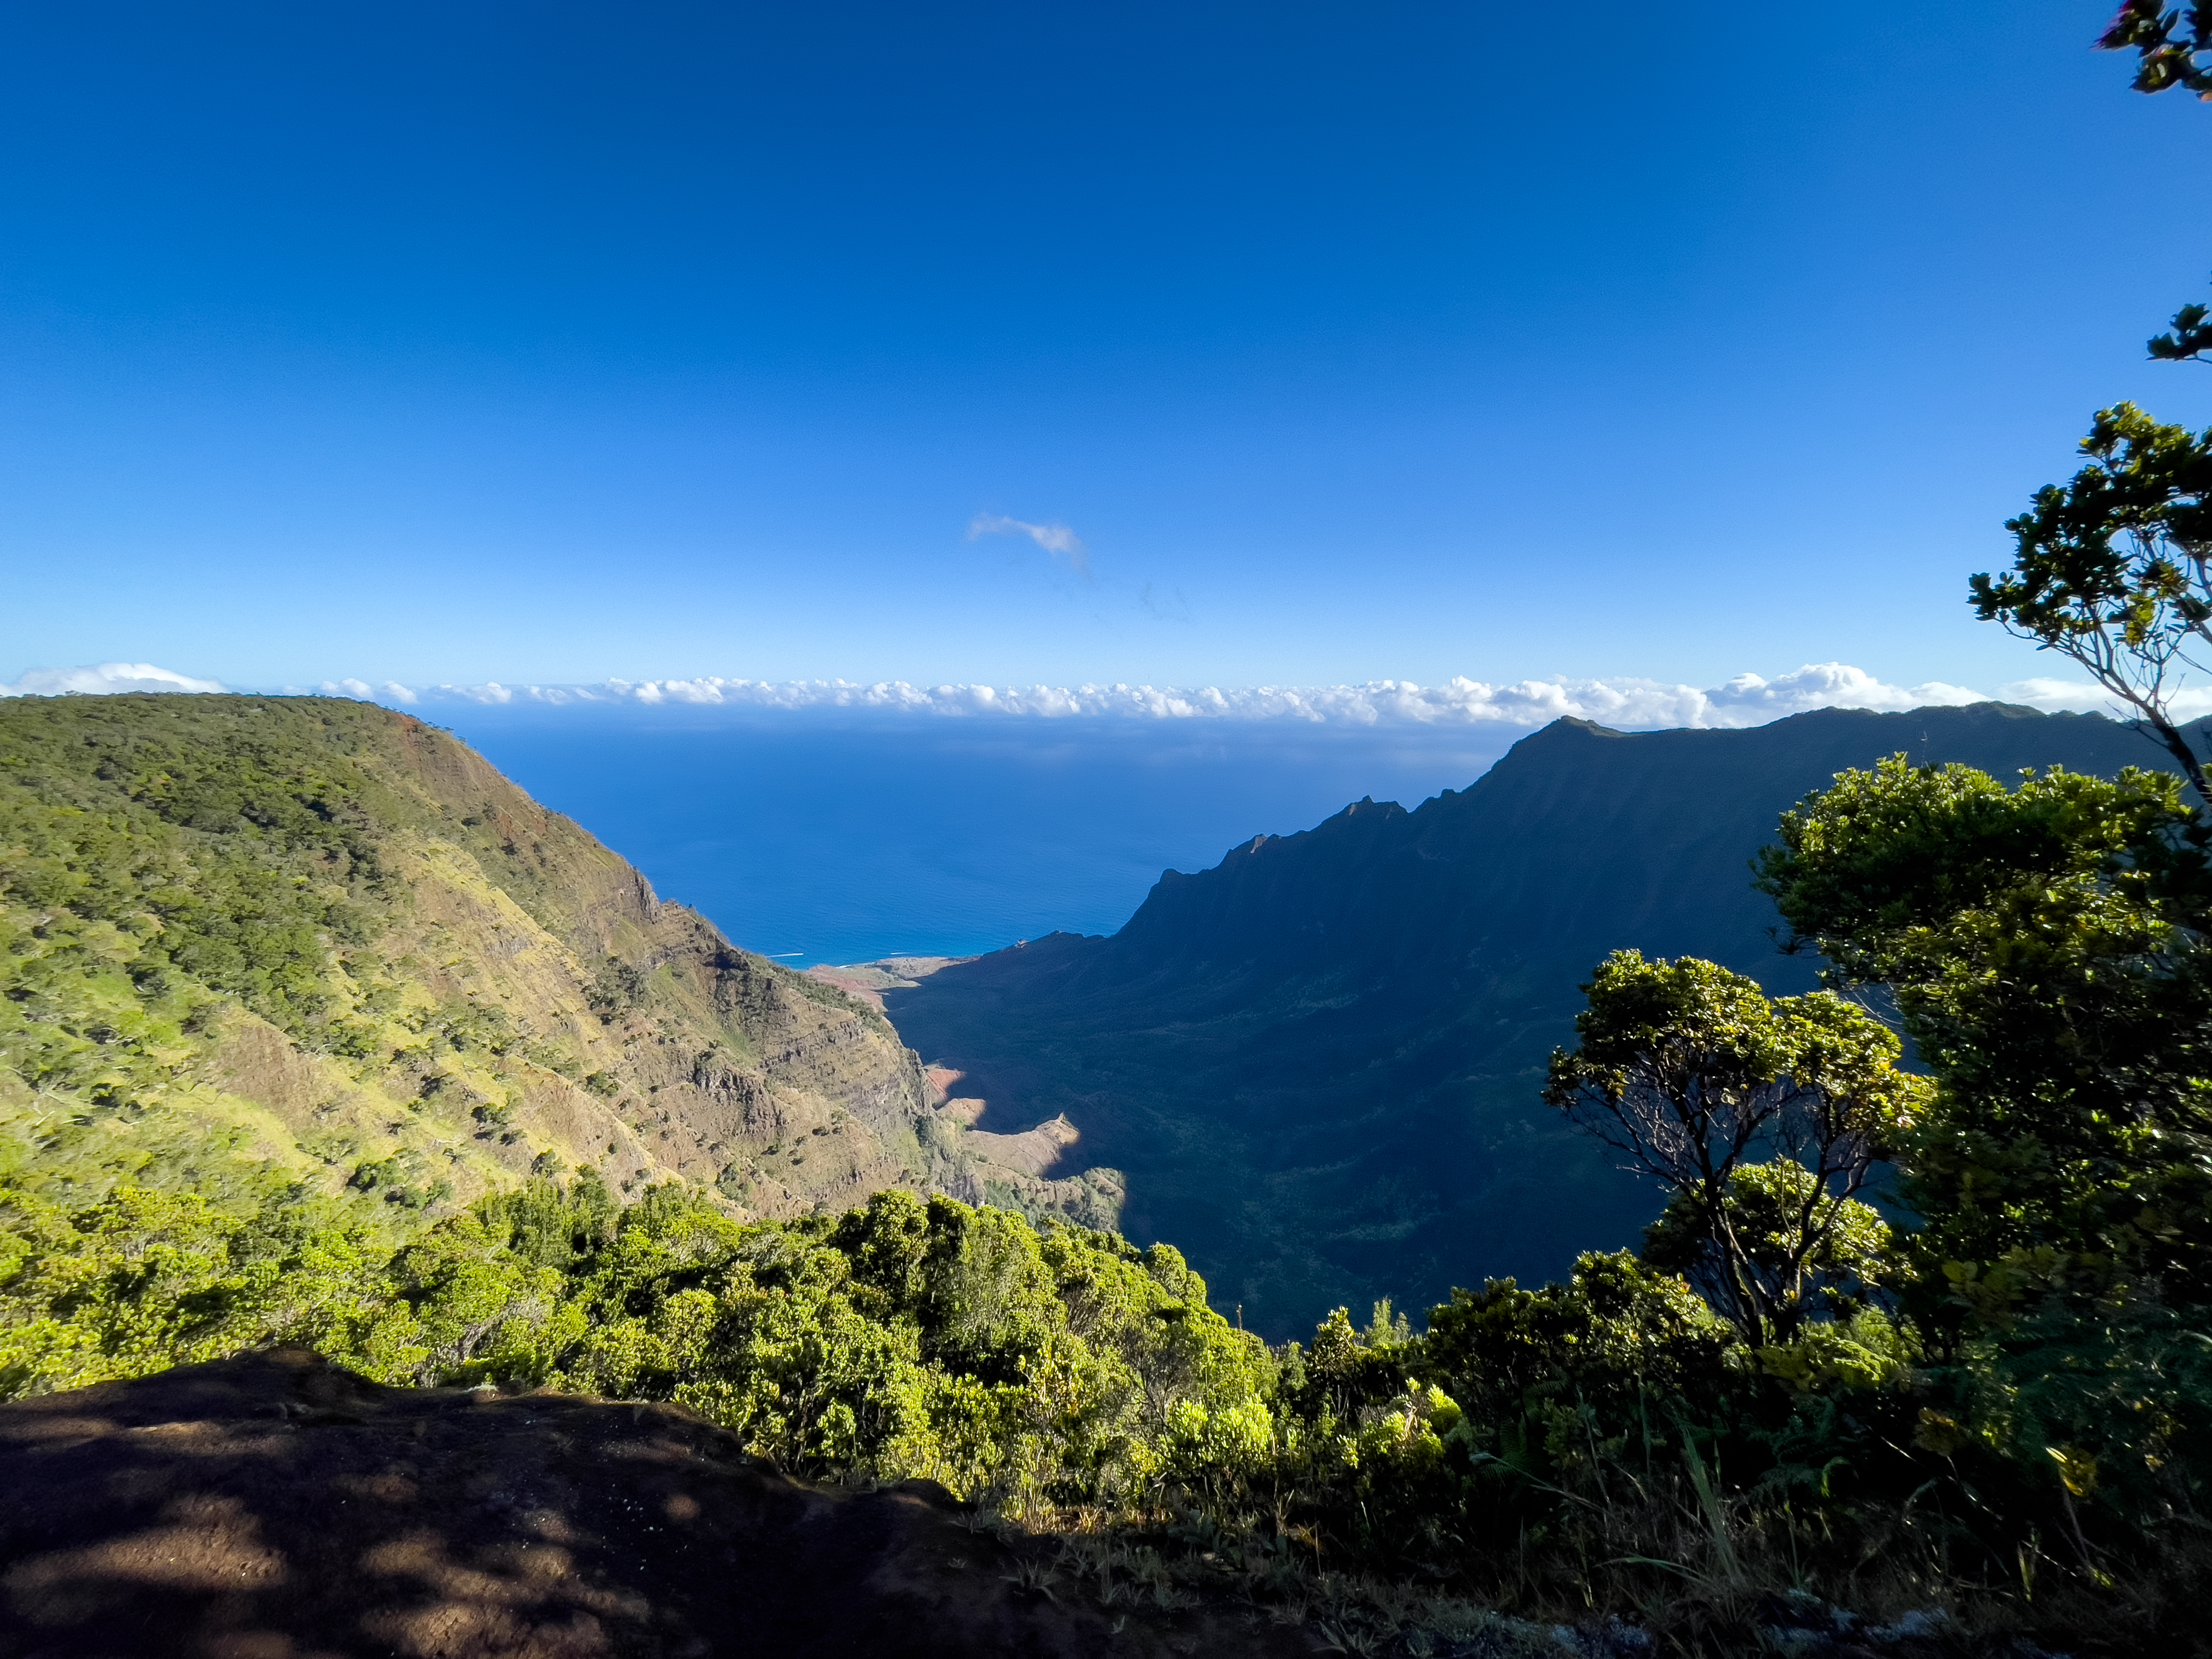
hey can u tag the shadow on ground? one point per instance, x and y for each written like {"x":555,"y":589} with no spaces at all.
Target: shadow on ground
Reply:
{"x":276,"y":1507}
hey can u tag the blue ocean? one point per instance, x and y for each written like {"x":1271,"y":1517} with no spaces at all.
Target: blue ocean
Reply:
{"x":820,"y":836}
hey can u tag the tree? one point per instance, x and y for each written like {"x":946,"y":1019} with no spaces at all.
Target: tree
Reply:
{"x":1687,"y":1070}
{"x":2046,"y":947}
{"x":2114,"y":569}
{"x":2174,"y":47}
{"x":1798,"y":1271}
{"x":2188,"y":339}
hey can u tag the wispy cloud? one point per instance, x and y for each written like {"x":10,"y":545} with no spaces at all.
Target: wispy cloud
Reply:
{"x":1169,"y":606}
{"x":104,"y":679}
{"x":1057,"y":539}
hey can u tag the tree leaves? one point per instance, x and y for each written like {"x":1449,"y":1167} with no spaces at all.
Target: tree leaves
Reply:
{"x":2114,"y":568}
{"x":1687,"y":1070}
{"x":2046,"y":947}
{"x":2174,"y":47}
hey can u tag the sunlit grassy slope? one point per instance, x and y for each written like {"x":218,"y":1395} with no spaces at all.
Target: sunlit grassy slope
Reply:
{"x":251,"y":943}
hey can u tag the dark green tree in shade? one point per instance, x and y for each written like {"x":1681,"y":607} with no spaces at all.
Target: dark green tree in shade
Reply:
{"x":2174,"y":48}
{"x":1762,"y":1119}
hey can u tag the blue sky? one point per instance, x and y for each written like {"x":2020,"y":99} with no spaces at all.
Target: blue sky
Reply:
{"x":555,"y":343}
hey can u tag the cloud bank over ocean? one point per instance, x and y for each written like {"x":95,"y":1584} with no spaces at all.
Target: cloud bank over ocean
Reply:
{"x":101,"y":679}
{"x":1629,"y":704}
{"x":1746,"y":700}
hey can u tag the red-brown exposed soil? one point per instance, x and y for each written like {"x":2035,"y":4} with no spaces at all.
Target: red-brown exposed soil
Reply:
{"x":275,"y":1507}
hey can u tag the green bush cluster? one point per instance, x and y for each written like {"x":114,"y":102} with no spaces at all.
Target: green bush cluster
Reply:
{"x":2046,"y":948}
{"x":904,"y":1340}
{"x":1595,"y":1440}
{"x":239,"y":862}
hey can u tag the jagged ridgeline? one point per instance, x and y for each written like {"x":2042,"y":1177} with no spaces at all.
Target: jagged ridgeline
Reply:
{"x":257,"y":946}
{"x":1318,"y":1066}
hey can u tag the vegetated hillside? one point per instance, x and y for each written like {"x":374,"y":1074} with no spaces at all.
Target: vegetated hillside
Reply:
{"x":1317,"y":1064}
{"x":258,"y":946}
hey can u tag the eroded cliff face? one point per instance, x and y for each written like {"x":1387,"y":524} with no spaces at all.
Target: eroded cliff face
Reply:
{"x":468,"y":985}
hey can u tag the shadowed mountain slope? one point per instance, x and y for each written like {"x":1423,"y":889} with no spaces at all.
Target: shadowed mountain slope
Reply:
{"x":1317,"y":1063}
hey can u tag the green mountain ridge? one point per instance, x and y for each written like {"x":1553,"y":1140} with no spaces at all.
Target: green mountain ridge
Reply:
{"x":260,"y":945}
{"x":1317,"y":1065}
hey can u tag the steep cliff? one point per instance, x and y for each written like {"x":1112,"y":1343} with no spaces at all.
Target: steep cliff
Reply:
{"x":304,"y":940}
{"x":1317,"y":1063}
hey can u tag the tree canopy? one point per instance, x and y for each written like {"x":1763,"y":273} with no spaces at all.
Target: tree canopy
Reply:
{"x":1687,"y":1071}
{"x":2173,"y":48}
{"x":2114,"y":568}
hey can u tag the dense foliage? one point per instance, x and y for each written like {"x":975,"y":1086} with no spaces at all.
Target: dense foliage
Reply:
{"x":2172,"y":48}
{"x":1686,"y":1070}
{"x":160,"y":869}
{"x":1609,"y":1442}
{"x":1058,"y":1373}
{"x":2046,"y":947}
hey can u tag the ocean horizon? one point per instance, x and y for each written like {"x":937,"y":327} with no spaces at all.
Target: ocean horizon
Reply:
{"x":817,"y":836}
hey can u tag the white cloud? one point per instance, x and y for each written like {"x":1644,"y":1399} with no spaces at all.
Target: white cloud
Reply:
{"x":104,"y":679}
{"x":390,"y":691}
{"x":1629,"y":703}
{"x":2187,"y":703}
{"x":1057,"y":539}
{"x":2053,"y":696}
{"x":1746,"y":700}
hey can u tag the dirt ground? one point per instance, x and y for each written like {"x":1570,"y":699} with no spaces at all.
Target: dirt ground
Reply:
{"x":275,"y":1507}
